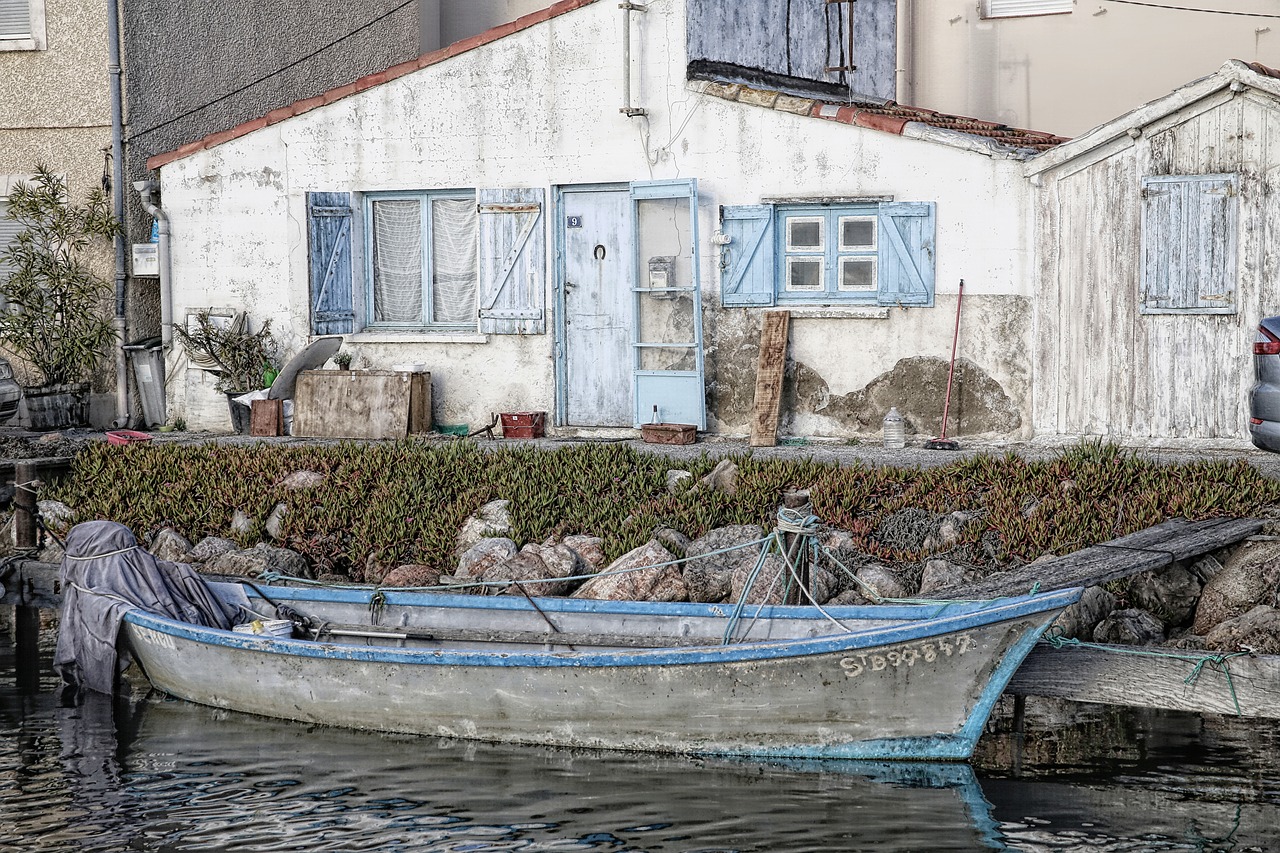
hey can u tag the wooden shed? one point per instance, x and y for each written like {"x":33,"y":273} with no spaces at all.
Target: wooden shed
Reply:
{"x":1155,"y":260}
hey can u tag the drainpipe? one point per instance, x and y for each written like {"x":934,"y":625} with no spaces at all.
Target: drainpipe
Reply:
{"x":117,"y":207}
{"x":146,"y":191}
{"x":628,"y":110}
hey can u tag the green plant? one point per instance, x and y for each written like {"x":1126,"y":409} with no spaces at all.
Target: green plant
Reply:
{"x":226,"y":347}
{"x":56,"y":321}
{"x":343,"y":360}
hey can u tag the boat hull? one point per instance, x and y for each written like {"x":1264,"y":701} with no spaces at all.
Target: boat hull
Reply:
{"x":921,"y":689}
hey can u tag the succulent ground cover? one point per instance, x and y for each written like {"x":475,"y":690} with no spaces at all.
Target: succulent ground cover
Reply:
{"x":404,"y":502}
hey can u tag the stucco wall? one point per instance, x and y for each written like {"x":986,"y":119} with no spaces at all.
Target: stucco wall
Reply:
{"x":540,"y":108}
{"x":1067,"y":73}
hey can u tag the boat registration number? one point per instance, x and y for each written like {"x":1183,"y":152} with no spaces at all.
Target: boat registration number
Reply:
{"x":155,"y":638}
{"x":907,"y":655}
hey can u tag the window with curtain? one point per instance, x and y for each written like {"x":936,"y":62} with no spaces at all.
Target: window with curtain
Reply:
{"x":423,"y":264}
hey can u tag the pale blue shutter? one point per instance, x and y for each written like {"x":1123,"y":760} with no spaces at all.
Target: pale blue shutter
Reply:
{"x":906,"y":253}
{"x":329,"y":244}
{"x":512,"y":261}
{"x":746,"y":262}
{"x":1189,"y":244}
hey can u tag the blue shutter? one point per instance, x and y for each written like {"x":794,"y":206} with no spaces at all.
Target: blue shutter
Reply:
{"x":512,"y":262}
{"x":905,"y":260}
{"x":1189,"y":244}
{"x":329,"y":239}
{"x":746,"y":263}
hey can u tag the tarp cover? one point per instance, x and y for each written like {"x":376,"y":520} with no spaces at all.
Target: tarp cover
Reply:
{"x":104,"y":575}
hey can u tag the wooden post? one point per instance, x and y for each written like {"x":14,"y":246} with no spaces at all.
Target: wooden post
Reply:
{"x":26,"y":618}
{"x":797,"y":550}
{"x":770,"y":366}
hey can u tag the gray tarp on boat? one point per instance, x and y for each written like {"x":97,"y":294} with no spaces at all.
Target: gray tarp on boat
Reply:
{"x":104,"y":575}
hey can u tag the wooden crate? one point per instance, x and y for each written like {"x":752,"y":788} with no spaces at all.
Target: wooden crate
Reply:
{"x":361,"y":404}
{"x":524,"y":424}
{"x":669,"y":433}
{"x":266,"y":417}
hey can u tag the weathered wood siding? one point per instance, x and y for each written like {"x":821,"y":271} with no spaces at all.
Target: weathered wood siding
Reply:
{"x":800,"y":40}
{"x":1102,"y":366}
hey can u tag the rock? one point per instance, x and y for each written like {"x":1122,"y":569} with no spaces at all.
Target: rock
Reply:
{"x":1080,"y":619}
{"x":536,"y":565}
{"x":723,"y":478}
{"x":1132,"y":627}
{"x":589,"y":548}
{"x":769,"y":584}
{"x":1206,"y":568}
{"x":678,"y":481}
{"x":1257,"y":631}
{"x":1249,"y":576}
{"x":673,"y":540}
{"x":412,"y":574}
{"x":477,"y":561}
{"x":1169,"y":594}
{"x":490,"y":521}
{"x":275,"y":521}
{"x":939,"y":574}
{"x":823,"y":584}
{"x":211,"y":546}
{"x":849,"y":597}
{"x":56,"y":516}
{"x":241,"y":523}
{"x":709,"y":579}
{"x":302,"y":480}
{"x":883,"y":582}
{"x":251,"y":562}
{"x":636,"y":583}
{"x":171,"y":545}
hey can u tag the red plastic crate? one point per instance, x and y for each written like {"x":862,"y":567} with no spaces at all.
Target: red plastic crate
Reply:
{"x":127,"y":436}
{"x":524,"y":424}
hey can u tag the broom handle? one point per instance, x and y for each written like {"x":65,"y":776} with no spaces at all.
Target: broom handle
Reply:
{"x":946,"y":406}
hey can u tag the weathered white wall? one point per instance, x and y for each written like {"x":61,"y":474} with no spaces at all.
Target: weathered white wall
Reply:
{"x":1102,"y":367}
{"x":1067,"y":73}
{"x":540,"y":108}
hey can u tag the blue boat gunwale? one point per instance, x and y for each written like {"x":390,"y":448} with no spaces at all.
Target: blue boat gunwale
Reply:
{"x":920,"y":623}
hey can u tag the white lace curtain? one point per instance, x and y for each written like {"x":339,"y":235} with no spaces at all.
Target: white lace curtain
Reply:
{"x":398,"y":261}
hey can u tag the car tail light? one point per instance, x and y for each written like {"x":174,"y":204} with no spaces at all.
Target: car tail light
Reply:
{"x":1271,"y":346}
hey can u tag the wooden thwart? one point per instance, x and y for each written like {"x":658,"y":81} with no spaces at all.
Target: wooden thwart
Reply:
{"x":769,"y":370}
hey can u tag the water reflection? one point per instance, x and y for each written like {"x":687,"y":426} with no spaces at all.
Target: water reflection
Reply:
{"x":160,"y":775}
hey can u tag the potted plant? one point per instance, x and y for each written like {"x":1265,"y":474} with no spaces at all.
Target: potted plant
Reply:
{"x":242,"y":360}
{"x":56,"y":321}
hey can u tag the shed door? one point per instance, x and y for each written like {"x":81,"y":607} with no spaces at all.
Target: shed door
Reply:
{"x":598,"y":261}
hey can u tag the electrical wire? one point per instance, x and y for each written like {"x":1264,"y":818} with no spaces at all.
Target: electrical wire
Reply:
{"x":271,"y":74}
{"x":1192,"y":9}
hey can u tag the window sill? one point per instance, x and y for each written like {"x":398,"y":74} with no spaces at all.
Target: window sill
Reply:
{"x":377,"y":337}
{"x":870,"y":312}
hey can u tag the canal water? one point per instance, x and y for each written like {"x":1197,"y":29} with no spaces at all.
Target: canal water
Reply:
{"x":154,"y":774}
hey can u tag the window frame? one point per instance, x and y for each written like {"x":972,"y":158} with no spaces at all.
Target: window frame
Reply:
{"x":996,"y":9}
{"x":1178,"y":260}
{"x":367,"y":237}
{"x":35,"y":38}
{"x":831,"y":250}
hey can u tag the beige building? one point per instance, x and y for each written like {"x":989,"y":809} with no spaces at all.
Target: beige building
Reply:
{"x":1065,"y":66}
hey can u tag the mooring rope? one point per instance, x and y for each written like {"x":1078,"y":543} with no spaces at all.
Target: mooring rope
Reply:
{"x":1057,"y":640}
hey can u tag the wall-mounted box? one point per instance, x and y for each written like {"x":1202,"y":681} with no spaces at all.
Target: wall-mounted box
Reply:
{"x":146,"y":259}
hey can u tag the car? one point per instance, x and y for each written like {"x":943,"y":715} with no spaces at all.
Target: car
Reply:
{"x":1264,"y":395}
{"x":10,"y":392}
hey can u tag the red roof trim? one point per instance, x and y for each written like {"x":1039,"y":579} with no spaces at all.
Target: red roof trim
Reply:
{"x":555,"y":10}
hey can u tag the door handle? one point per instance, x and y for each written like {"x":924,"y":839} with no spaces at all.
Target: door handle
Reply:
{"x":568,"y":285}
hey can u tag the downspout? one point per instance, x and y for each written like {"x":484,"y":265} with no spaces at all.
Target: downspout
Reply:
{"x":117,"y":207}
{"x":146,"y":191}
{"x":626,"y":109}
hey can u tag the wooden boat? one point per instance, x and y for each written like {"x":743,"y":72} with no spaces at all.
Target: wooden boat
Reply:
{"x":889,"y":681}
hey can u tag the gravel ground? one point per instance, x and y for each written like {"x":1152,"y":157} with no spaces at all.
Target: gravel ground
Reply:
{"x":18,"y":444}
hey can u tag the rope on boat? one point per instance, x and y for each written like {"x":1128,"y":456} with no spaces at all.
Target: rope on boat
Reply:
{"x":1057,"y":640}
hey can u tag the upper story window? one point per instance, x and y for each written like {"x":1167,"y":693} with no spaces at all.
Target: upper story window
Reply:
{"x":422,"y":260}
{"x":1189,"y":240}
{"x":1025,"y":8}
{"x":22,"y":25}
{"x":867,"y":253}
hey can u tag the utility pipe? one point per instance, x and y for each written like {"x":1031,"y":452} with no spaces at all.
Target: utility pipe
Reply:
{"x":627,"y":109}
{"x":119,"y":322}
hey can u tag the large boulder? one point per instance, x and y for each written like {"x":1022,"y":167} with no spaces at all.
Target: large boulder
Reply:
{"x":723,"y":478}
{"x":540,"y":569}
{"x":589,"y":548}
{"x":56,"y":516}
{"x":883,"y":582}
{"x":1131,"y":627}
{"x":1169,"y":594}
{"x":716,"y":557}
{"x":490,"y":521}
{"x":1249,"y":576}
{"x":478,"y":560}
{"x":171,"y":545}
{"x":252,"y":562}
{"x":766,"y":586}
{"x":638,"y":575}
{"x":1256,"y":631}
{"x":940,"y":574}
{"x":299,"y":480}
{"x":412,"y":575}
{"x":210,"y":547}
{"x":1080,"y":619}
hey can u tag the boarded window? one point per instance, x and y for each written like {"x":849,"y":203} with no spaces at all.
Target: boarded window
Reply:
{"x":1024,"y":8}
{"x":1189,"y":239}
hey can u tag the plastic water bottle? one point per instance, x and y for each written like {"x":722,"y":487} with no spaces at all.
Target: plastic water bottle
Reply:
{"x":895,"y":436}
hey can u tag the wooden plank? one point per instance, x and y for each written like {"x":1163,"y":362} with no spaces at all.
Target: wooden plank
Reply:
{"x":266,"y":417}
{"x":769,"y":370}
{"x":1115,"y":675}
{"x":1152,"y":548}
{"x":358,"y":403}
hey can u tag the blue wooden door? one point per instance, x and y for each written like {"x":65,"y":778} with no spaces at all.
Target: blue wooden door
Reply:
{"x":596,"y":275}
